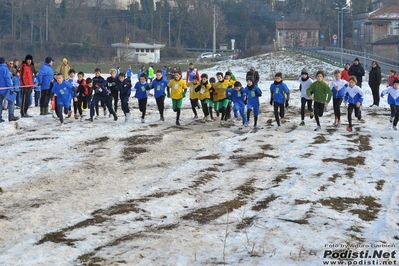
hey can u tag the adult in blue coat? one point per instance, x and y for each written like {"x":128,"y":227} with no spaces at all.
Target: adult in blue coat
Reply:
{"x":44,"y":79}
{"x":6,"y":88}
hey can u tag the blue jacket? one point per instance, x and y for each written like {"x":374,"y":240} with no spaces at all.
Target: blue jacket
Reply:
{"x":100,"y":86}
{"x":393,"y":95}
{"x":124,"y":87}
{"x":129,"y":73}
{"x":16,"y":82}
{"x":238,"y":97}
{"x":141,"y":90}
{"x":340,"y":93}
{"x":159,"y":87}
{"x":253,"y":95}
{"x":5,"y":79}
{"x":64,"y":92}
{"x":353,"y":95}
{"x":278,"y":90}
{"x":45,"y":77}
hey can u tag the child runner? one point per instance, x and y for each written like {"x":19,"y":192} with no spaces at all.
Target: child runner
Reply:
{"x":338,"y":91}
{"x":253,"y":93}
{"x":237,"y":95}
{"x":142,"y":88}
{"x":354,"y":98}
{"x":177,"y":89}
{"x":159,"y":85}
{"x":228,"y":77}
{"x":321,"y":94}
{"x":223,"y":102}
{"x":98,"y":80}
{"x":111,"y":85}
{"x":74,"y":81}
{"x":204,"y":93}
{"x":125,"y":88}
{"x":279,"y":95}
{"x":64,"y":92}
{"x":193,"y":95}
{"x":101,"y":93}
{"x":81,"y":95}
{"x":393,"y":98}
{"x":304,"y":83}
{"x":214,"y":98}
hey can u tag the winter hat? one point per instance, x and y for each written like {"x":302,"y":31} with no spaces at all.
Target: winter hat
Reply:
{"x":48,"y":59}
{"x":357,"y":59}
{"x":304,"y":71}
{"x":2,"y":60}
{"x":396,"y":81}
{"x":252,"y":65}
{"x":27,"y":57}
{"x":64,"y":60}
{"x":250,"y":78}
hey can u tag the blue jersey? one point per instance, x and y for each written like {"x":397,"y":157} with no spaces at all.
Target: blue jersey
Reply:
{"x":353,"y":95}
{"x":338,"y":88}
{"x":237,"y":97}
{"x":64,"y":92}
{"x":159,"y":87}
{"x":280,"y":92}
{"x":129,"y":73}
{"x":141,"y":90}
{"x":253,"y":95}
{"x":16,"y":82}
{"x":393,"y":95}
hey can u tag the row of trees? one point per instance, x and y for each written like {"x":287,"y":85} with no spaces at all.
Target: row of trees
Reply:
{"x":84,"y":29}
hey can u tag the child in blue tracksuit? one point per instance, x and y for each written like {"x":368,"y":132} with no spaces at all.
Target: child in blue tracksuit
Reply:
{"x":16,"y":83}
{"x":37,"y":91}
{"x":142,"y":88}
{"x":101,"y":93}
{"x":354,"y":98}
{"x":253,"y":93}
{"x":393,"y":101}
{"x":129,"y":73}
{"x":159,"y":85}
{"x":124,"y":87}
{"x":64,"y":92}
{"x":237,"y":96}
{"x":280,"y":95}
{"x":337,"y":87}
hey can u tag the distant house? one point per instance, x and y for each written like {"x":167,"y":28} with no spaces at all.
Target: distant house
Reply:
{"x":138,"y":52}
{"x":378,"y":31}
{"x":297,"y":33}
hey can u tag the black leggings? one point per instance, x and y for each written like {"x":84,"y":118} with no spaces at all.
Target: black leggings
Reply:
{"x":114,"y":96}
{"x":143,"y":107}
{"x":352,"y":107}
{"x":282,"y":112}
{"x":305,"y":101}
{"x":318,"y":111}
{"x":194,"y":105}
{"x":396,"y":119}
{"x":337,"y":110}
{"x":161,"y":104}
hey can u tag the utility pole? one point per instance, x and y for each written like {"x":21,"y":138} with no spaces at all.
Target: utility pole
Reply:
{"x":214,"y":32}
{"x":169,"y":29}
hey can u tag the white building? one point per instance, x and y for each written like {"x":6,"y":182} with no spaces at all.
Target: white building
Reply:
{"x":138,"y":52}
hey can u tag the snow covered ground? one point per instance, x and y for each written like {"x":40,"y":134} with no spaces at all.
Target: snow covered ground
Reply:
{"x":115,"y":193}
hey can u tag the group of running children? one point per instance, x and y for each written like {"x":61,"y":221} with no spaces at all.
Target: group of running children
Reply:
{"x":220,"y":95}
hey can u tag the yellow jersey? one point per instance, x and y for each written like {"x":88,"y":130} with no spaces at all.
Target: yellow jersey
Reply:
{"x":191,"y":87}
{"x":177,"y":87}
{"x":220,"y":88}
{"x":204,"y":92}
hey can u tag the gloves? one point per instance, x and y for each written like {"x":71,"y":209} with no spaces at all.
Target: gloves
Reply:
{"x":271,"y":102}
{"x":215,"y":93}
{"x":346,"y":85}
{"x":168,"y":95}
{"x":246,"y":101}
{"x":184,"y":94}
{"x":286,"y":104}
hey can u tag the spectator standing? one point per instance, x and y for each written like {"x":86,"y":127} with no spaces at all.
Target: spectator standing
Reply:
{"x":192,"y":73}
{"x":26,"y":71}
{"x":44,"y":79}
{"x":357,"y":70}
{"x":374,"y":83}
{"x":64,"y":68}
{"x":254,"y":74}
{"x":5,"y":82}
{"x":344,"y":73}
